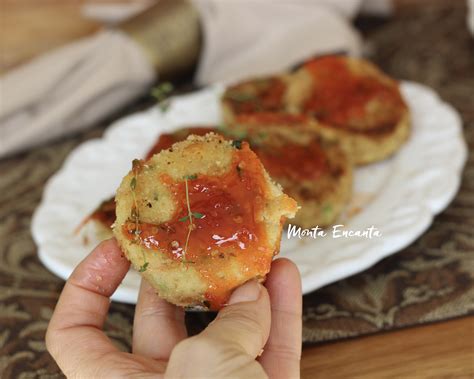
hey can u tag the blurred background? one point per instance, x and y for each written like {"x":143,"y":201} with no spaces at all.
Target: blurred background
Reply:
{"x":112,"y":52}
{"x":54,"y":23}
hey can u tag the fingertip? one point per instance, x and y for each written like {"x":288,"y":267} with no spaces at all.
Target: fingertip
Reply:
{"x":103,"y":269}
{"x":110,"y":249}
{"x":154,"y":313}
{"x":244,"y":323}
{"x":250,"y":291}
{"x":281,"y":356}
{"x":287,"y":266}
{"x":86,"y":296}
{"x":284,"y":285}
{"x":284,"y":273}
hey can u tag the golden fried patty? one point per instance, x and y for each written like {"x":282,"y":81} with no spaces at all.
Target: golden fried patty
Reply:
{"x":316,"y":171}
{"x":356,"y":102}
{"x":262,"y":105}
{"x":342,"y":97}
{"x":201,"y":218}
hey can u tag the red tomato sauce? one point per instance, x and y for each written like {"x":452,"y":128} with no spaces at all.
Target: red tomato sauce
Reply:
{"x":340,"y":95}
{"x":293,"y":161}
{"x":166,"y":140}
{"x":105,"y":213}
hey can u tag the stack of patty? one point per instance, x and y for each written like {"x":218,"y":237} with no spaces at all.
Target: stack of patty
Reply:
{"x":345,"y":98}
{"x":313,"y":124}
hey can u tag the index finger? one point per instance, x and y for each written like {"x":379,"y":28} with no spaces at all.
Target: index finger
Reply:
{"x":282,"y":353}
{"x":75,"y":330}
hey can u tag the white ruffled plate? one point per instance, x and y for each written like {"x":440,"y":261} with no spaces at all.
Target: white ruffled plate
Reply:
{"x":398,"y":196}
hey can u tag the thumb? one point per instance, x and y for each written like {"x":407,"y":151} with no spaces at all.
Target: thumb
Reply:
{"x":229,"y":345}
{"x":245,"y":322}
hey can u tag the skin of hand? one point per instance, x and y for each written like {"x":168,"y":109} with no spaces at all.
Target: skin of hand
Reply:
{"x":257,"y":335}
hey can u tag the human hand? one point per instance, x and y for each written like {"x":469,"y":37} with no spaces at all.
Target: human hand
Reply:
{"x":256,"y":318}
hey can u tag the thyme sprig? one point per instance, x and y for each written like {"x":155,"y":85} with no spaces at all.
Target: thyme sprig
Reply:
{"x":191,"y":215}
{"x":161,"y":93}
{"x":237,"y":144}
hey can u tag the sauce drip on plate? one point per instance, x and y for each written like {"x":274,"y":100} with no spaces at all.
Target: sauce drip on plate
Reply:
{"x":222,"y":213}
{"x":104,"y":213}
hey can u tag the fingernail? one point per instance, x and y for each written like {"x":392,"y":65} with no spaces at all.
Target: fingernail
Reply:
{"x":250,"y":291}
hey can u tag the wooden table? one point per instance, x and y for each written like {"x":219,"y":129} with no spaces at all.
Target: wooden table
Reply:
{"x":442,"y":350}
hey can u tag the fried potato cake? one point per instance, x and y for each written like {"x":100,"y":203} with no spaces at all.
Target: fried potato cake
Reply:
{"x":316,"y":171}
{"x":97,"y":226}
{"x":201,"y":218}
{"x":263,"y":105}
{"x":341,"y":97}
{"x":351,"y":99}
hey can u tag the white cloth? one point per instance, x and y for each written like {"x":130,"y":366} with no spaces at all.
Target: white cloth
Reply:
{"x":470,"y":15}
{"x":69,"y":89}
{"x":72,"y":87}
{"x":244,"y":38}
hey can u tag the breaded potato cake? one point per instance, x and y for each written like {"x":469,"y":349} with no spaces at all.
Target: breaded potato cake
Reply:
{"x":341,"y":97}
{"x":316,"y":172}
{"x":201,"y":218}
{"x":353,"y":100}
{"x":98,"y":224}
{"x":263,"y":105}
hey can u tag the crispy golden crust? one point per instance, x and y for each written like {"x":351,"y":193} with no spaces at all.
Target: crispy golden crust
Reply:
{"x":150,"y":195}
{"x":368,"y":148}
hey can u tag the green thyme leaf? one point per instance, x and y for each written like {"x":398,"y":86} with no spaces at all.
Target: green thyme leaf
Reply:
{"x":161,"y":94}
{"x":191,"y":177}
{"x":186,"y":261}
{"x":197,"y":215}
{"x":182,"y":219}
{"x":164,"y":105}
{"x":237,"y":144}
{"x":327,"y":208}
{"x":133,"y":183}
{"x":166,"y":87}
{"x":161,"y":91}
{"x":143,"y":267}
